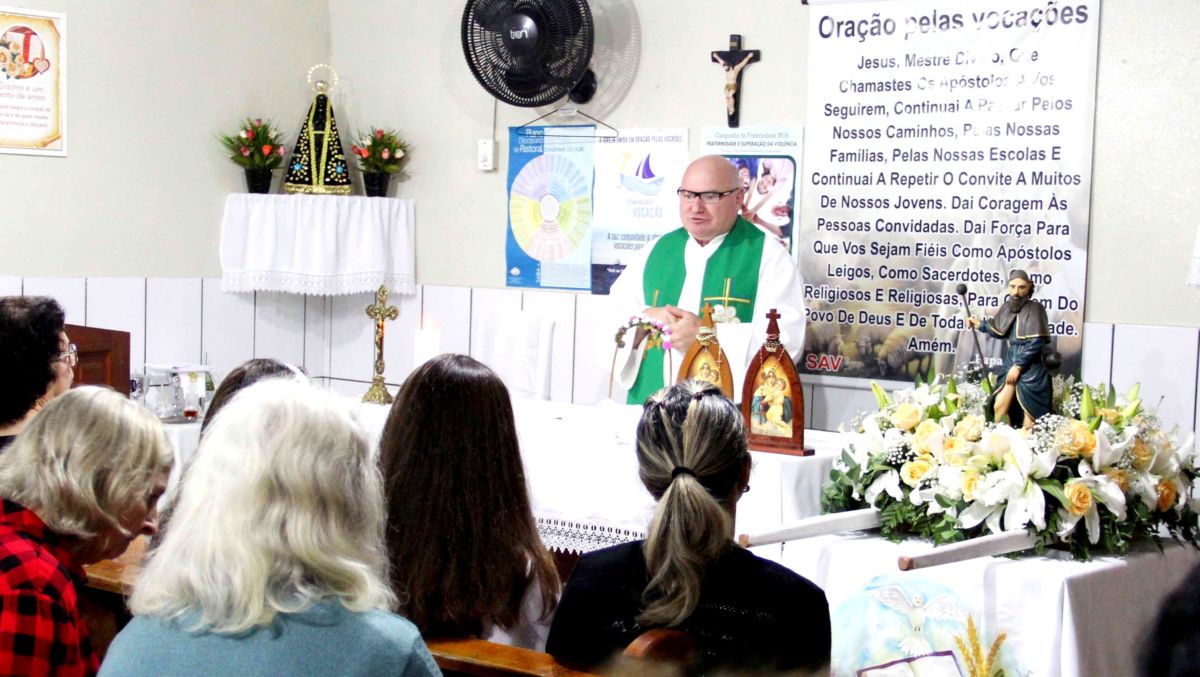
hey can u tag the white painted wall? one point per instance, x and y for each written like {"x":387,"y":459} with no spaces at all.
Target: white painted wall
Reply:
{"x":151,"y":82}
{"x":149,"y":85}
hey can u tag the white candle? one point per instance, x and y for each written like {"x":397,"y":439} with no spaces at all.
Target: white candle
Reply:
{"x":426,"y":344}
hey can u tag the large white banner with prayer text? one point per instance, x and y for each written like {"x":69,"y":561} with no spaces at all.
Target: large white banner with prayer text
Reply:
{"x":946,"y":144}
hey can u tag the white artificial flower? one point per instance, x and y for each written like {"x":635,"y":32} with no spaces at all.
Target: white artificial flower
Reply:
{"x":889,"y":483}
{"x":723,"y":313}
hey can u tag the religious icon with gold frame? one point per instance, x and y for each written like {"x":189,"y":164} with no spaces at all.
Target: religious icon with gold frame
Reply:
{"x":773,"y":399}
{"x":705,"y":360}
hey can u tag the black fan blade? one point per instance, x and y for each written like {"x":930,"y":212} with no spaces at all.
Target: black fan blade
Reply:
{"x":490,"y":15}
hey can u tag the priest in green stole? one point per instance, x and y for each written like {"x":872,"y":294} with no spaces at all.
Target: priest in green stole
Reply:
{"x":717,"y":257}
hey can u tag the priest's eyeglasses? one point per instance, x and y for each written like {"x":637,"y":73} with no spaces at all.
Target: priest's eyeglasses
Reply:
{"x":70,"y":356}
{"x":708,"y":197}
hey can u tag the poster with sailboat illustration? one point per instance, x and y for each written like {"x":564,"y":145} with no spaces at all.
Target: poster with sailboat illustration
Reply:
{"x":634,"y":200}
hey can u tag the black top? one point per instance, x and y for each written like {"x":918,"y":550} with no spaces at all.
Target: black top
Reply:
{"x":753,"y":614}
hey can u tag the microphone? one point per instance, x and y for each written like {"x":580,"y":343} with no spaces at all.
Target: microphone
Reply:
{"x":961,"y":289}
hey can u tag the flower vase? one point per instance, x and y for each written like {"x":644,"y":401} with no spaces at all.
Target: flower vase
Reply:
{"x":375,"y":184}
{"x":258,"y":179}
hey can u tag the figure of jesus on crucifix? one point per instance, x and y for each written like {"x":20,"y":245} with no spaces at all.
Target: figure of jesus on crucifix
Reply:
{"x":734,"y":60}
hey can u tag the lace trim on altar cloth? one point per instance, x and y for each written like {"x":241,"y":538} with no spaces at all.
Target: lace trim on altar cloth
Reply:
{"x":317,"y":285}
{"x":582,"y":537}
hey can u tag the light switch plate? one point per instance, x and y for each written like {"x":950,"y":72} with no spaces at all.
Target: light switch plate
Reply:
{"x":486,"y":155}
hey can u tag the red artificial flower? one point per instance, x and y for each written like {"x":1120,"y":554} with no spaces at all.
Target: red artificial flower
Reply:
{"x":378,"y":133}
{"x":385,"y":154}
{"x":249,"y":133}
{"x":245,"y":151}
{"x":258,"y":122}
{"x":266,"y":149}
{"x":354,"y":149}
{"x":280,"y":149}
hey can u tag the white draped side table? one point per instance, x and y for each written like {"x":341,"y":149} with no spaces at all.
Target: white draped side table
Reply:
{"x":317,"y":244}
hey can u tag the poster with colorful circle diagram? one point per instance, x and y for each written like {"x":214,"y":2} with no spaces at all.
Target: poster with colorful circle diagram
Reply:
{"x":550,"y":175}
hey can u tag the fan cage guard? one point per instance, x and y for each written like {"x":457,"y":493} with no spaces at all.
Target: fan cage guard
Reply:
{"x":565,"y":40}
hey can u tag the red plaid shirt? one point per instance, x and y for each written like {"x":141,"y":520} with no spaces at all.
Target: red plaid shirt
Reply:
{"x":41,"y":631}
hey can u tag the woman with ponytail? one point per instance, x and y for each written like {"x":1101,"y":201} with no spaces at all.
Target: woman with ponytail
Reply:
{"x":743,"y":612}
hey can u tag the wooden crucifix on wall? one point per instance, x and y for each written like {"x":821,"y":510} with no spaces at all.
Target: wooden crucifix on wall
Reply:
{"x":734,"y":61}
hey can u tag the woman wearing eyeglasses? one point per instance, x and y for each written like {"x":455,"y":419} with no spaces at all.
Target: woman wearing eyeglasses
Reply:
{"x":36,"y":358}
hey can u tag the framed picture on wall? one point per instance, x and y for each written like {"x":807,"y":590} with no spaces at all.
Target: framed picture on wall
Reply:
{"x":33,"y":82}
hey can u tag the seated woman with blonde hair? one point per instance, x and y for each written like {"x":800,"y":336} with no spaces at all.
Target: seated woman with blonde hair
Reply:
{"x":79,"y":483}
{"x":274,"y":563}
{"x":743,"y":612}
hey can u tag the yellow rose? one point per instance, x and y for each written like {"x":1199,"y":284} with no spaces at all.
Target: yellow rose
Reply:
{"x":906,"y":416}
{"x":1079,"y":497}
{"x":970,"y":428}
{"x":1143,"y":454}
{"x":1166,"y":495}
{"x":912,"y":472}
{"x":1120,"y":476}
{"x":954,"y":451}
{"x":970,"y":482}
{"x":926,"y":430}
{"x":1076,"y":440}
{"x":1110,"y":416}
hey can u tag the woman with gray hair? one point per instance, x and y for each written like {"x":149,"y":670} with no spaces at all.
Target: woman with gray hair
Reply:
{"x":80,"y":481}
{"x":274,"y":562}
{"x":743,"y":612}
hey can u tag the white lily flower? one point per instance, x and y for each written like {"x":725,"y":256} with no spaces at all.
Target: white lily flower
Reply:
{"x":889,"y":483}
{"x":1110,"y":447}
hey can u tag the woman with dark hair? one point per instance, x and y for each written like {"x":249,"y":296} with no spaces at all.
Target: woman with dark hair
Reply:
{"x":743,"y":612}
{"x":245,"y":374}
{"x":36,"y":359}
{"x":466,"y":556}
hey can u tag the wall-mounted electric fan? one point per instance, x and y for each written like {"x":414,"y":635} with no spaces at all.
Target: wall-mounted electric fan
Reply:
{"x":530,"y":52}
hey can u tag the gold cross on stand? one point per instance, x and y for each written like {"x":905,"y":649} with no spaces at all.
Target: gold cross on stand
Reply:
{"x":379,"y":311}
{"x":725,"y":298}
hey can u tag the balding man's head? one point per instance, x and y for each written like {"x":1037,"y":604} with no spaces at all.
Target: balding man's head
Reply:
{"x":711,"y":174}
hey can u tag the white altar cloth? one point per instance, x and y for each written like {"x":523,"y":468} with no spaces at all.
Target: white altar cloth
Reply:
{"x":582,"y":473}
{"x":317,"y":244}
{"x":1061,"y":617}
{"x":583,"y":477}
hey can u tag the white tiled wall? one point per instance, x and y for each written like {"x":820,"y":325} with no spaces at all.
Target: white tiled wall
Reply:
{"x":120,"y":303}
{"x":10,"y":286}
{"x":191,"y":320}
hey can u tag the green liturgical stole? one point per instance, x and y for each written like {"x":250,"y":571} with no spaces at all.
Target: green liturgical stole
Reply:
{"x":730,"y":279}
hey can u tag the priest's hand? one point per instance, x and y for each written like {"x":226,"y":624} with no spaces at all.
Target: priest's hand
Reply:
{"x":658,"y":314}
{"x":1014,"y":373}
{"x":684,"y":326}
{"x":973,"y":321}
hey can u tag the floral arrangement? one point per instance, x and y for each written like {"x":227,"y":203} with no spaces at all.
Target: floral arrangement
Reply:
{"x":380,"y":151}
{"x":1098,"y":472}
{"x":660,"y":333}
{"x":659,"y":337}
{"x":257,"y":146}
